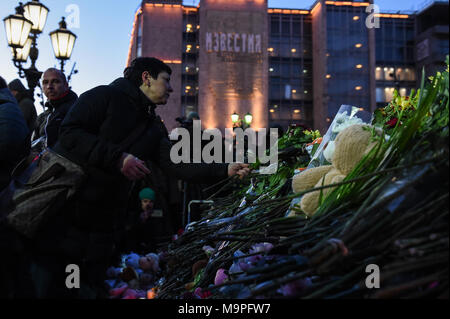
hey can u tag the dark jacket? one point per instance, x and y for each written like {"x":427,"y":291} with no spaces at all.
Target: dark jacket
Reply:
{"x":90,"y":135}
{"x":14,"y":136}
{"x":26,"y":103}
{"x":49,"y":122}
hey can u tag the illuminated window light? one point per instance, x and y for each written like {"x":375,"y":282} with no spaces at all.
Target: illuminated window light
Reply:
{"x":275,"y":106}
{"x":172,"y":61}
{"x":188,"y":87}
{"x":361,"y":109}
{"x":357,"y":88}
{"x":198,"y":26}
{"x":355,"y":18}
{"x":328,"y":76}
{"x":296,"y":111}
{"x":272,"y":110}
{"x":305,"y":71}
{"x":348,"y":3}
{"x":359,"y":66}
{"x":270,"y":49}
{"x":378,"y":68}
{"x":395,"y":16}
{"x":358,"y":45}
{"x":293,"y":50}
{"x":327,"y":54}
{"x":305,"y":91}
{"x":270,"y":69}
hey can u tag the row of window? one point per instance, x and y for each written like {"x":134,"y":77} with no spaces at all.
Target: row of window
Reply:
{"x":395,"y":73}
{"x":290,"y":25}
{"x":399,"y":30}
{"x":290,"y":91}
{"x":385,"y":94}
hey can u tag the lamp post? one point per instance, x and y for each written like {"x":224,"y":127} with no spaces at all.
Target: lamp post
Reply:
{"x":63,"y":41}
{"x":234,"y":119}
{"x":237,"y":122}
{"x":248,"y":118}
{"x":22,"y":31}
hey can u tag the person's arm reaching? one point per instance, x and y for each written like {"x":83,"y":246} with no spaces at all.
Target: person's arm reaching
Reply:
{"x":197,"y":172}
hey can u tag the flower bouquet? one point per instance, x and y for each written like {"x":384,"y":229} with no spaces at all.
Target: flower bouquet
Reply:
{"x":346,"y":116}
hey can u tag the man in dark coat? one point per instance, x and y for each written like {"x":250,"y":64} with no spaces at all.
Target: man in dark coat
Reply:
{"x":14,"y":135}
{"x":90,"y":135}
{"x":59,"y":101}
{"x":26,"y":102}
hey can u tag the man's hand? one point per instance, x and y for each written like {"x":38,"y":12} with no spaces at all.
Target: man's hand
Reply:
{"x":238,"y":169}
{"x":132,"y":167}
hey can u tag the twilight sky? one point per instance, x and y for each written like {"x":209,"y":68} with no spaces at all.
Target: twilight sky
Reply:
{"x":104,"y":33}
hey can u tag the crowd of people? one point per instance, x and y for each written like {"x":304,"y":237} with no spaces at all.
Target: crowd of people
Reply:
{"x":104,"y":217}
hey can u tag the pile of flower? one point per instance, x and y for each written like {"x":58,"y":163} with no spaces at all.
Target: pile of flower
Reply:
{"x":389,"y":214}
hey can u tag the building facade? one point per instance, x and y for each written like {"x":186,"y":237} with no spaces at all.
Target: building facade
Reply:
{"x":285,"y":66}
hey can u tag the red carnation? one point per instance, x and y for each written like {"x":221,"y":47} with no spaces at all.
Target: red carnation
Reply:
{"x":392,"y":122}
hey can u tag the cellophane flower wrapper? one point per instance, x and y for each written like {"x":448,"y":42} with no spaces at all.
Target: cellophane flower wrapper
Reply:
{"x":346,"y":116}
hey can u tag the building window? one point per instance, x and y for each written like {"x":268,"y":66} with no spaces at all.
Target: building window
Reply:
{"x":379,"y":73}
{"x":388,"y":94}
{"x":409,"y":74}
{"x":388,"y":74}
{"x":379,"y":95}
{"x":139,"y":37}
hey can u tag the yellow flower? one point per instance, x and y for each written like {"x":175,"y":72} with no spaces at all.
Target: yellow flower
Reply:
{"x":405,"y":104}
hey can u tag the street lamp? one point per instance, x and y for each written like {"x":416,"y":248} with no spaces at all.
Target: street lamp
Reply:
{"x":22,"y":30}
{"x":23,"y":53}
{"x":17,"y":28}
{"x":234,"y":118}
{"x":63,"y":41}
{"x":248,"y":118}
{"x":37,"y":13}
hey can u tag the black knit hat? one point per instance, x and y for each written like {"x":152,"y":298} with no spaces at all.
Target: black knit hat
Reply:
{"x":16,"y":85}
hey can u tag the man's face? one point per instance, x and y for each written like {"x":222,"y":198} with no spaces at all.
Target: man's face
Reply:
{"x":157,"y":90}
{"x":146,"y":204}
{"x":14,"y":93}
{"x":53,"y":85}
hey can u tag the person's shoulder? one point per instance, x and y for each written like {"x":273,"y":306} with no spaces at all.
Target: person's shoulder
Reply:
{"x":8,"y":108}
{"x":26,"y":101}
{"x":100,"y":91}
